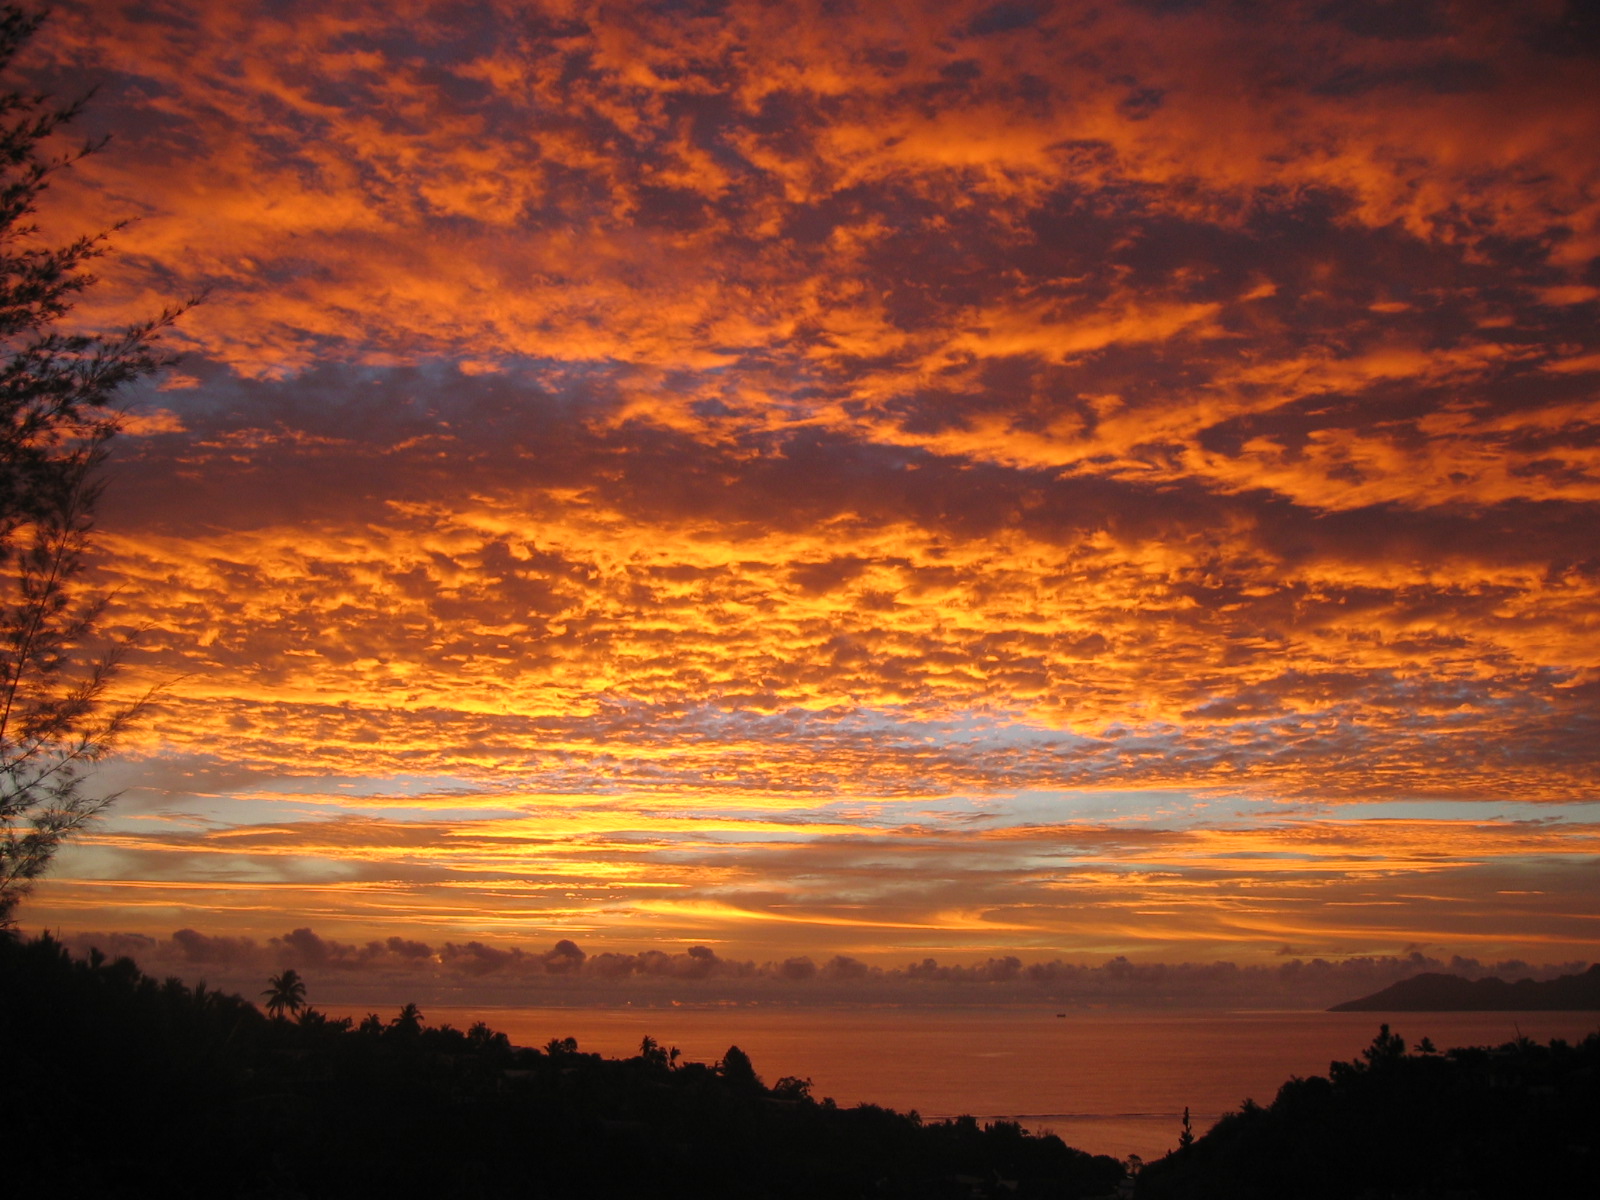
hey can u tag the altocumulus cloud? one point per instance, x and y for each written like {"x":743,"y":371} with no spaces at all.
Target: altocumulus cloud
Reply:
{"x":763,"y":415}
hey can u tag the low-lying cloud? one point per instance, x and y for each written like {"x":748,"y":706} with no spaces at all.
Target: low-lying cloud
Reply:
{"x":396,"y":970}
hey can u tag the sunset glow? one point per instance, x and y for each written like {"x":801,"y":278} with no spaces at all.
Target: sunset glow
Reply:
{"x":862,"y":482}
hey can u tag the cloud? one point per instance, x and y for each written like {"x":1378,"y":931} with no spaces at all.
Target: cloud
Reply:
{"x":690,"y":441}
{"x":1173,"y":875}
{"x":201,"y":949}
{"x":464,"y":975}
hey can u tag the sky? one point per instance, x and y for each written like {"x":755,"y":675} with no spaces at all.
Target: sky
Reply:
{"x":847,"y":487}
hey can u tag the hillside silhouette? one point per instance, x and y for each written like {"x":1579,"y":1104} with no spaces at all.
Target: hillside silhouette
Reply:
{"x":120,"y":1085}
{"x":1433,"y":992}
{"x":117,"y":1084}
{"x":1468,"y":1124}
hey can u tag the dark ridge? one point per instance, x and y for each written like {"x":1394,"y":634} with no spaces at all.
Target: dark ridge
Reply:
{"x":1474,"y":1123}
{"x":1434,"y":992}
{"x":120,"y":1085}
{"x":116,"y":1084}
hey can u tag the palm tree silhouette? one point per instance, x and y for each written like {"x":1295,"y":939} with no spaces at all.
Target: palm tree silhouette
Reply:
{"x":409,"y":1021}
{"x":285,"y":993}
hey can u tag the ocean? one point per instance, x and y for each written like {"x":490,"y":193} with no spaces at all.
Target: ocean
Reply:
{"x":1109,"y":1082}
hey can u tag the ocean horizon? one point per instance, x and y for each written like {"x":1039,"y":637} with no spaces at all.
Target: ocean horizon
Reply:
{"x":1108,"y":1081}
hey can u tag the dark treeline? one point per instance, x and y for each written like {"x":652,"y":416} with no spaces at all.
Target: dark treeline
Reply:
{"x":1480,"y":1123}
{"x":116,"y":1084}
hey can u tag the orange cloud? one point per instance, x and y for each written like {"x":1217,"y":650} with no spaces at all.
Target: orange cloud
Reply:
{"x":685,"y":440}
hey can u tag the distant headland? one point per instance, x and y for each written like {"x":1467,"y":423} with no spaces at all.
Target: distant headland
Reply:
{"x":1434,"y":992}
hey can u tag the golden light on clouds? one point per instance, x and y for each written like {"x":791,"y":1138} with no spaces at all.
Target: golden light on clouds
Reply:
{"x":887,"y":479}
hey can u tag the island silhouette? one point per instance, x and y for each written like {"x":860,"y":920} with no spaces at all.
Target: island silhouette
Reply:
{"x":1437,"y":992}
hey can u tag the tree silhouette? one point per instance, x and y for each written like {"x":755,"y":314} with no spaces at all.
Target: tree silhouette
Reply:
{"x":1386,"y":1049}
{"x":207,"y":1088}
{"x":57,"y":415}
{"x":792,"y":1087}
{"x":408,"y":1022}
{"x":285,"y":994}
{"x":653,"y":1052}
{"x":738,"y":1070}
{"x":1475,"y":1121}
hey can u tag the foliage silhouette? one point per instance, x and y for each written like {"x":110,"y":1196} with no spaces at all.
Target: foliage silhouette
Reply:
{"x":191,"y":1092}
{"x":285,"y":994}
{"x":57,"y":416}
{"x":738,"y":1070}
{"x":144,"y":1087}
{"x":652,"y":1052}
{"x":407,"y":1022}
{"x":187,"y":1092}
{"x":1519,"y":1119}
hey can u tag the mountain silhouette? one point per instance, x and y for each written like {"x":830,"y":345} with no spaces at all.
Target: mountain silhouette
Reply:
{"x":1433,"y":992}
